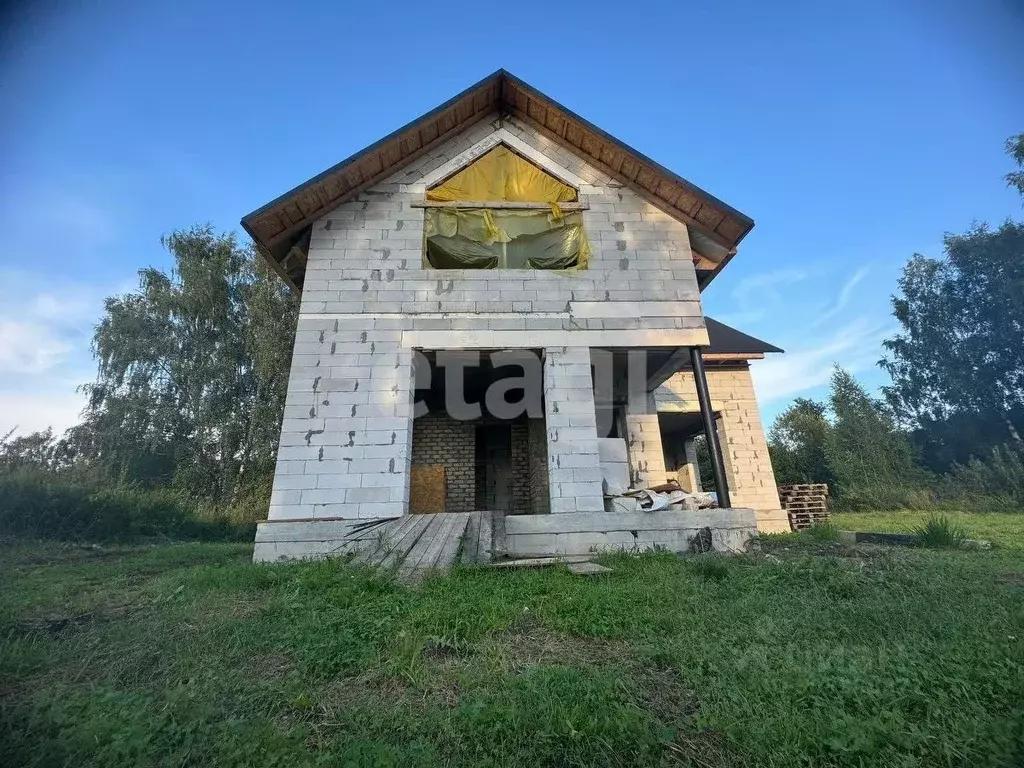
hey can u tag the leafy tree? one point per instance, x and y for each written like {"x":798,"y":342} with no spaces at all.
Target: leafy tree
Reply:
{"x":961,"y":348}
{"x":942,"y":443}
{"x":1015,"y":149}
{"x":193,"y":368}
{"x":797,"y":441}
{"x":38,"y":450}
{"x":864,"y":447}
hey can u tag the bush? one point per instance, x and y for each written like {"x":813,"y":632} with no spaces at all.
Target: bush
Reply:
{"x":1001,"y":476}
{"x":890,"y":496}
{"x":938,"y":531}
{"x":824,"y":532}
{"x":39,"y":504}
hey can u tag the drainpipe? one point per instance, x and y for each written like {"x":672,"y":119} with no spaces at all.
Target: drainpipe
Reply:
{"x":708,"y":418}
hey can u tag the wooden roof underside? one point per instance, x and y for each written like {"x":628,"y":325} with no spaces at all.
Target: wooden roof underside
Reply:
{"x":281,"y":228}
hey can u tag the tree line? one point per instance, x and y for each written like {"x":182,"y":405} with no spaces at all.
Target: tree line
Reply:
{"x":948,"y":428}
{"x":192,"y":371}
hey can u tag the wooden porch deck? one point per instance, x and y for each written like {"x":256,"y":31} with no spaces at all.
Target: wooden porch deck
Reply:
{"x":416,"y":545}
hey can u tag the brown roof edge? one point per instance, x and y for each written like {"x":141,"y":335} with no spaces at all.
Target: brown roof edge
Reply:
{"x":493,"y":77}
{"x":639,"y":155}
{"x":278,"y":225}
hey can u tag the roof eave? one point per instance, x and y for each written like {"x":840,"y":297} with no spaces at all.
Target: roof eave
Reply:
{"x":279,"y":224}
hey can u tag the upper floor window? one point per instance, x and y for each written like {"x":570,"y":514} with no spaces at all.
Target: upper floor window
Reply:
{"x":503,"y":212}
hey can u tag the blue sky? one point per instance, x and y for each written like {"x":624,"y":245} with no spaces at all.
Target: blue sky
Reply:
{"x":853,"y":133}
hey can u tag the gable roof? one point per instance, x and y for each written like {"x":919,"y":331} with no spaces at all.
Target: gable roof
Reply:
{"x":281,"y":228}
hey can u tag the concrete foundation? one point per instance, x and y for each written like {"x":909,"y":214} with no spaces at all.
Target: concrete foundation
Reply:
{"x":573,"y":533}
{"x":581,"y":534}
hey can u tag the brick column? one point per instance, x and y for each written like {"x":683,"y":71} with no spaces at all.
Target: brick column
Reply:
{"x":574,"y":468}
{"x":643,"y":438}
{"x":691,"y":469}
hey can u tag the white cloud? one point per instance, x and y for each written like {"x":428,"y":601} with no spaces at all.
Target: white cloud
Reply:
{"x":761,"y":295}
{"x":58,"y":407}
{"x":44,"y":349}
{"x":85,"y":216}
{"x":30,"y":347}
{"x":845,"y":294}
{"x":855,"y":346}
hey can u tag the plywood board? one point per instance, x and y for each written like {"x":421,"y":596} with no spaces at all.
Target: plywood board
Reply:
{"x":427,"y":489}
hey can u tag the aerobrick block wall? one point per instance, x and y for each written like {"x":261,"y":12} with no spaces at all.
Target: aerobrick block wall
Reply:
{"x":748,"y":466}
{"x":346,"y":443}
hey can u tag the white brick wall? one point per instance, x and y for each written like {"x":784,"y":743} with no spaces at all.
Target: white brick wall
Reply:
{"x":643,"y":443}
{"x":367,"y":301}
{"x":748,"y":466}
{"x":574,"y":465}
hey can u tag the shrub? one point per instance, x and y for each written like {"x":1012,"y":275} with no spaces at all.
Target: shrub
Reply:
{"x":878,"y":496}
{"x":938,"y":531}
{"x":823,"y":532}
{"x":1000,"y":476}
{"x":39,"y":504}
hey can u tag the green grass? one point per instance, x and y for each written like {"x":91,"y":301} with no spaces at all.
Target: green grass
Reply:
{"x":807,"y":652}
{"x":1004,"y":529}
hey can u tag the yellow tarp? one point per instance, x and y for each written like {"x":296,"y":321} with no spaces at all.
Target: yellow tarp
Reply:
{"x":504,"y":239}
{"x":502,"y":175}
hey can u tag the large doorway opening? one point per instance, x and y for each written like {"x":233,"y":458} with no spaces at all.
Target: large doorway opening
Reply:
{"x":685,"y":447}
{"x":472,"y":448}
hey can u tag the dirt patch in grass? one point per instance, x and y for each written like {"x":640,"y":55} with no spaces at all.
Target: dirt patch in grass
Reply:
{"x":360,"y":691}
{"x":62,"y":624}
{"x":776,"y":548}
{"x":53,"y":625}
{"x":1013,"y":579}
{"x":272,"y":665}
{"x":528,"y":643}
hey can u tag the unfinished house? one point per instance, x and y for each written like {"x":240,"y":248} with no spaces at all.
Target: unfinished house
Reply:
{"x":501,"y":313}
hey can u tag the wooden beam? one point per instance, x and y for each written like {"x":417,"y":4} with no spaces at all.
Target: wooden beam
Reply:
{"x":647,"y":195}
{"x":679,"y":358}
{"x":700,"y":261}
{"x":499,"y":204}
{"x":738,"y":356}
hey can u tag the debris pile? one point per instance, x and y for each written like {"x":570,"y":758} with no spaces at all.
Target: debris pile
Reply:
{"x":667,"y":496}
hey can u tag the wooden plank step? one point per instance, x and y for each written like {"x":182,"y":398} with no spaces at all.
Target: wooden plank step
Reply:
{"x":540,"y":562}
{"x":450,"y":550}
{"x":402,"y":539}
{"x":471,"y":541}
{"x":423,"y":545}
{"x":437,"y":547}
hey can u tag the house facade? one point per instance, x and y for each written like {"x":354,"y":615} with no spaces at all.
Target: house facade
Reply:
{"x":435,"y":270}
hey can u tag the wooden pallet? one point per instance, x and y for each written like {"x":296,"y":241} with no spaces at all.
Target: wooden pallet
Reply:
{"x":806,"y":504}
{"x":815,"y":487}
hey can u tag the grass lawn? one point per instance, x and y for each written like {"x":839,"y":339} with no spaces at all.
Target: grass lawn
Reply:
{"x":1004,"y":529}
{"x":802,"y":653}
